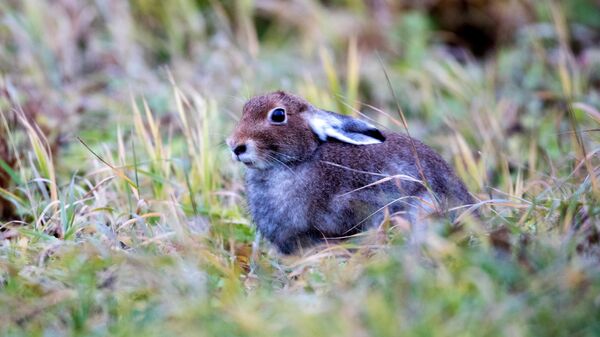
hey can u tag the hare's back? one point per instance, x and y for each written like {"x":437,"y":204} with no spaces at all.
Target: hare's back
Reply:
{"x":397,"y":155}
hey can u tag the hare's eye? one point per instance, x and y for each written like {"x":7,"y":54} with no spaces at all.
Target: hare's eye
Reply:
{"x":277,"y":116}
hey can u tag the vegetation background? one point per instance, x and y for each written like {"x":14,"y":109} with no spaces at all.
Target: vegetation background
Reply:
{"x":122,"y":214}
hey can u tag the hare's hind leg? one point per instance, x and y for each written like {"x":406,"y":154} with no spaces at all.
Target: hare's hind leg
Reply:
{"x":421,"y":208}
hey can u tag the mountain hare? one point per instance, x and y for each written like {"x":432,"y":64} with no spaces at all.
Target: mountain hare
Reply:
{"x":315,"y":175}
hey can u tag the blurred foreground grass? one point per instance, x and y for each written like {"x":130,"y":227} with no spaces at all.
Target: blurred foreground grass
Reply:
{"x":123,"y":215}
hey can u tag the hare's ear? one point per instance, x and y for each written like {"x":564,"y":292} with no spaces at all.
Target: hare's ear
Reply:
{"x":326,"y":124}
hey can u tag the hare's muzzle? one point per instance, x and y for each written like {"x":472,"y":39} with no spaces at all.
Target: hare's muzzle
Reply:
{"x":239,"y":149}
{"x":244,"y":152}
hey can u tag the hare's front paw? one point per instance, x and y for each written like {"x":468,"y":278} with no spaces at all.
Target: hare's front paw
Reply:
{"x":294,"y":243}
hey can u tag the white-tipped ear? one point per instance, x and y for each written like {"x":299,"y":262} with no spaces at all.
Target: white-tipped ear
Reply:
{"x":326,"y":124}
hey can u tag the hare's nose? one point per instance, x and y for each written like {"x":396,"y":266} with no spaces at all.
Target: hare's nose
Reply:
{"x":240,"y":149}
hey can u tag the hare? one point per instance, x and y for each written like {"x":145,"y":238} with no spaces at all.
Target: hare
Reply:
{"x":314,"y":175}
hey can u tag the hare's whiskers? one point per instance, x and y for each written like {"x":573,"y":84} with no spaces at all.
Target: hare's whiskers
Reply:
{"x":269,"y":156}
{"x":283,"y":154}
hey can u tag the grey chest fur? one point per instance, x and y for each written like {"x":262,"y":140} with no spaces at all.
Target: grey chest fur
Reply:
{"x":278,"y":201}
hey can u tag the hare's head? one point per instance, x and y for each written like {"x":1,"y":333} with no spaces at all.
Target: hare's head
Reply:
{"x":281,"y":128}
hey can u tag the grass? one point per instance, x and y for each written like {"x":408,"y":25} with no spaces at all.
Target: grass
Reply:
{"x":127,"y":215}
